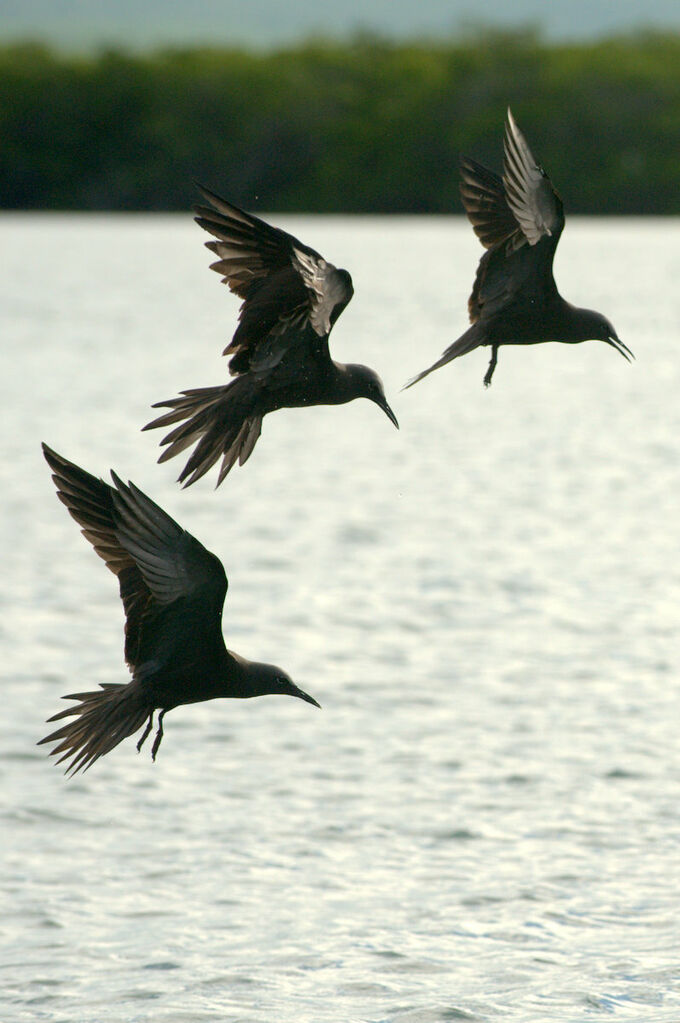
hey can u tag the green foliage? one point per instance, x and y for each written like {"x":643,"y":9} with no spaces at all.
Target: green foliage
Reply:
{"x":363,"y":126}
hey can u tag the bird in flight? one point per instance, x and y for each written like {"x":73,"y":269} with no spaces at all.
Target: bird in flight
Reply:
{"x":518,"y":219}
{"x":173,"y":592}
{"x":279,"y":354}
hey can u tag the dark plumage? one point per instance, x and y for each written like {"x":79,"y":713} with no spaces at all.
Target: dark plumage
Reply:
{"x":173,"y":591}
{"x":518,"y":219}
{"x":279,"y":353}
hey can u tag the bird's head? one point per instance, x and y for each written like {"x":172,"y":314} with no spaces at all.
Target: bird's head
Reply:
{"x":596,"y":327}
{"x":365,"y":383}
{"x":273,"y":681}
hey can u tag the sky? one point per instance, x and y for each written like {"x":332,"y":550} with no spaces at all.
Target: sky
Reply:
{"x":140,"y":24}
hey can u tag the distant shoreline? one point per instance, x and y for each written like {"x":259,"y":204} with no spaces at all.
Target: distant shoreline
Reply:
{"x":367,"y":126}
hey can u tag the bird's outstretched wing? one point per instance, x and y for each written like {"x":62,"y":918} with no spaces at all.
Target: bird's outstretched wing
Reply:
{"x":286,"y":286}
{"x":518,"y":209}
{"x":534,"y":202}
{"x":518,"y":218}
{"x":485,"y":203}
{"x":155,"y":560}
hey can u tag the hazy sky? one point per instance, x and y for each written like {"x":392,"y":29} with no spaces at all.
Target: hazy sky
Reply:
{"x":142,"y":23}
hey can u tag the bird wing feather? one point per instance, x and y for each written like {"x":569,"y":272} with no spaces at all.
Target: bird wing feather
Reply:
{"x":155,"y":560}
{"x":483,"y":197}
{"x":519,"y":218}
{"x":528,"y":189}
{"x":284,"y":284}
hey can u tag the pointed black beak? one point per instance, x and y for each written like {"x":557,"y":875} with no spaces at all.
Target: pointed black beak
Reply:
{"x":617,"y":344}
{"x":304,"y":696}
{"x":382,"y":402}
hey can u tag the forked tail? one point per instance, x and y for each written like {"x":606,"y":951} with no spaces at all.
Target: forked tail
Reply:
{"x":221,"y":421}
{"x":103,"y":718}
{"x":465,"y":343}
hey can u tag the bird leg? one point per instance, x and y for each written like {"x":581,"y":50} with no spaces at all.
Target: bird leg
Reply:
{"x":492,"y":365}
{"x":149,"y":726}
{"x":159,"y":736}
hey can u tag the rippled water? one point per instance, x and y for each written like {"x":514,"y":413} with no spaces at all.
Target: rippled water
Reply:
{"x":483,"y":823}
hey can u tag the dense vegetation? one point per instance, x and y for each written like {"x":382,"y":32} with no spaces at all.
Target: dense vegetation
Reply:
{"x":361,"y":126}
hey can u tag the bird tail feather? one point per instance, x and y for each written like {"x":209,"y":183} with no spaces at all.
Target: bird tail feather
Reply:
{"x":102,"y":719}
{"x":220,"y":421}
{"x":465,"y":343}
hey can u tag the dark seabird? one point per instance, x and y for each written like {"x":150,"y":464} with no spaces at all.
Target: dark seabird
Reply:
{"x":173,"y":591}
{"x":518,"y":219}
{"x":279,"y":353}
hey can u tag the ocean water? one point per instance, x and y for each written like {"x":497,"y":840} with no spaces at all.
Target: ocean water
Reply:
{"x":483,"y":822}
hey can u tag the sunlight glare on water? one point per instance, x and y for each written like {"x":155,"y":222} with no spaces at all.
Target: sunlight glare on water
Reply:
{"x":483,"y":821}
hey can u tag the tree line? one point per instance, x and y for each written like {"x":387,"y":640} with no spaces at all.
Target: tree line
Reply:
{"x":366,"y":125}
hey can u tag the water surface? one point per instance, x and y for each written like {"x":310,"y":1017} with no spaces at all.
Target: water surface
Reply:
{"x":483,"y":822}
